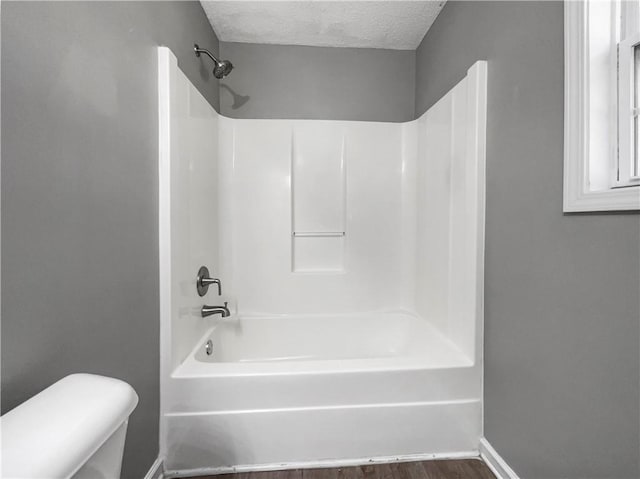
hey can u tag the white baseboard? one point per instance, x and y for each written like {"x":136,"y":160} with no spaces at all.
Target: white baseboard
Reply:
{"x":212,"y":471}
{"x":155,"y":471}
{"x":494,"y":461}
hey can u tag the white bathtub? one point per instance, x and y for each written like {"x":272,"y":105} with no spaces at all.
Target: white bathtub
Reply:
{"x":321,"y":343}
{"x":316,"y":390}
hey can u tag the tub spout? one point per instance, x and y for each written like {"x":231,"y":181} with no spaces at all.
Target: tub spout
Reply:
{"x":209,"y":310}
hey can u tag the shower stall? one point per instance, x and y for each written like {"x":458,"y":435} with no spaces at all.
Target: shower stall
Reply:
{"x":350,"y":255}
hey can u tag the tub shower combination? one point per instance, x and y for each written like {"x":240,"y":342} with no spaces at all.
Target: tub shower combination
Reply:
{"x":349,"y":255}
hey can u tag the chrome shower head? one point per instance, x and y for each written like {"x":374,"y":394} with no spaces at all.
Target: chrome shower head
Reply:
{"x":222,"y":67}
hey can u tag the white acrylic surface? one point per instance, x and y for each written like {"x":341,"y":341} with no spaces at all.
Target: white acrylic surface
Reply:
{"x":189,"y":148}
{"x":318,"y":178}
{"x":319,"y":342}
{"x":334,"y":335}
{"x":450,"y":211}
{"x":312,"y":388}
{"x":321,"y":434}
{"x":259,"y":216}
{"x":80,"y":421}
{"x":318,"y":202}
{"x":317,"y":254}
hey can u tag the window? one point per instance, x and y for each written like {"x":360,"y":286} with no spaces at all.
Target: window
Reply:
{"x":602,"y":106}
{"x":626,"y":170}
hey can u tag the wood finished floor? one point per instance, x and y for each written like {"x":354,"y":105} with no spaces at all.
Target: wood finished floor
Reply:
{"x":440,"y":469}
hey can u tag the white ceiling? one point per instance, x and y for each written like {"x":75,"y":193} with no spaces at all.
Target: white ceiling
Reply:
{"x":393,"y":24}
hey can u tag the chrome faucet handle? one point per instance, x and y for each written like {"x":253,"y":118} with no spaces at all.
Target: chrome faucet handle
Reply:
{"x":208,"y":281}
{"x":203,"y":280}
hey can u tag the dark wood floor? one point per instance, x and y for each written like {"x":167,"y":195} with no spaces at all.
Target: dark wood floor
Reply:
{"x":442,"y":469}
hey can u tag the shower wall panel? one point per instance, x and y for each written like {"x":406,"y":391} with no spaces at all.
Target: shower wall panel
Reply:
{"x":318,"y":178}
{"x":316,"y":215}
{"x":188,"y":204}
{"x":450,"y":210}
{"x":338,"y":217}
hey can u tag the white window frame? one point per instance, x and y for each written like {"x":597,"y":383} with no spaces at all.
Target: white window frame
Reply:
{"x":579,"y":195}
{"x":626,"y":174}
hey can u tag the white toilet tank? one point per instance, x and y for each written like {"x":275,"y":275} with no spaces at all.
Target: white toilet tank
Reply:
{"x":73,"y":429}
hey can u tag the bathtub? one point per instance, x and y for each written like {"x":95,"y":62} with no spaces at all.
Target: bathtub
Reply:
{"x":304,"y":391}
{"x":321,"y":343}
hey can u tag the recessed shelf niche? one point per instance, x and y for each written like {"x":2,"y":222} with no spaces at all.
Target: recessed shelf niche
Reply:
{"x":318,"y":198}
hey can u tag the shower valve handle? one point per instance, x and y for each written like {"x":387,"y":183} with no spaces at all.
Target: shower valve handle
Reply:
{"x":203,"y":281}
{"x":208,"y":281}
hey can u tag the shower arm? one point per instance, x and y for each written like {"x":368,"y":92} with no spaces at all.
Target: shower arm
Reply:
{"x":199,"y":50}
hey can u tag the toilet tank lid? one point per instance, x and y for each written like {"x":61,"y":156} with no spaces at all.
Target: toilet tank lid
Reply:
{"x":55,"y":432}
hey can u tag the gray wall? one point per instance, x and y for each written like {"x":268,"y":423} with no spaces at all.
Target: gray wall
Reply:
{"x":284,"y":81}
{"x":79,"y":194}
{"x":562,"y":313}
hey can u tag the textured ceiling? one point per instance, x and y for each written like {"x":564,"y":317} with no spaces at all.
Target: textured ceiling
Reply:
{"x":393,"y":24}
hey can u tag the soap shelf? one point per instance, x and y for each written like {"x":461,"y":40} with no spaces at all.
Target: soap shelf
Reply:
{"x":318,"y":234}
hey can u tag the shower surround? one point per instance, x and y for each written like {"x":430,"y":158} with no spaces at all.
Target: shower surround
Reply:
{"x":351,"y":253}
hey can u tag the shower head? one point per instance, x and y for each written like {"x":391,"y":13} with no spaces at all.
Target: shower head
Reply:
{"x":222,"y":67}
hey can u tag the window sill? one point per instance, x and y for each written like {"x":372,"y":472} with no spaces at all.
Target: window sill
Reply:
{"x":618,"y":199}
